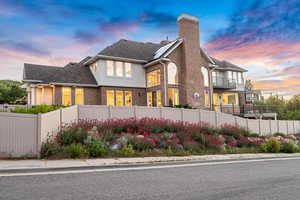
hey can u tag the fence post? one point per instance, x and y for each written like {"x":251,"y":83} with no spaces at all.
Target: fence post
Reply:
{"x":287,"y":127}
{"x":77,"y":113}
{"x":160,"y":112}
{"x":134,"y":112}
{"x":277,"y":126}
{"x":109,"y":112}
{"x":199,"y":110}
{"x":294,"y":131}
{"x":247,"y":124}
{"x":270,"y":125}
{"x":216,"y":119}
{"x":235,"y":121}
{"x":259,"y":126}
{"x":60,"y":118}
{"x":39,"y":134}
{"x":181,"y":113}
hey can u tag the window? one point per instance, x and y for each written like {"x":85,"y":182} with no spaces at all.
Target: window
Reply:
{"x":94,"y":66}
{"x":128,"y":72}
{"x":79,"y":97}
{"x":153,"y":78}
{"x":205,"y":76}
{"x":119,"y":68}
{"x":110,"y":68}
{"x":158,"y":98}
{"x":110,"y":97}
{"x":230,"y":98}
{"x":206,"y":99}
{"x":128,"y":98}
{"x":240,"y":78}
{"x":173,"y":96}
{"x":234,"y":76}
{"x":119,"y":98}
{"x":172,"y":74}
{"x":66,"y":96}
{"x":149,"y":99}
{"x":230,"y":76}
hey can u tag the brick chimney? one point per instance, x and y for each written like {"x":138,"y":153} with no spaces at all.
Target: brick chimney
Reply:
{"x":193,"y":85}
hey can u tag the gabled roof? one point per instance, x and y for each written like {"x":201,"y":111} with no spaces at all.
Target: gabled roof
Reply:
{"x":74,"y":73}
{"x":132,"y":50}
{"x":225,"y":65}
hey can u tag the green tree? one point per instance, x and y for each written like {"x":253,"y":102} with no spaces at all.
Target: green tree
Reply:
{"x":11,"y":92}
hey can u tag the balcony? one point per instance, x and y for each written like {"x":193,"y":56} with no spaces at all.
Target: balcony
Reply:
{"x":223,"y":82}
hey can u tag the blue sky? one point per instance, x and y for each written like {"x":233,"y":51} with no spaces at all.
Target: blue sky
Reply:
{"x":260,"y":35}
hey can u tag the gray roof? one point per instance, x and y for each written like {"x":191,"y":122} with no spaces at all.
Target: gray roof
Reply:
{"x":225,"y":65}
{"x":71,"y":73}
{"x":132,"y":50}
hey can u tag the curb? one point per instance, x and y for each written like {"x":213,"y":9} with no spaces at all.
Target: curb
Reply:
{"x":142,"y":162}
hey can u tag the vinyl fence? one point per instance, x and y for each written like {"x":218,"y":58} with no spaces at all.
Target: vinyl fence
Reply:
{"x":23,"y":134}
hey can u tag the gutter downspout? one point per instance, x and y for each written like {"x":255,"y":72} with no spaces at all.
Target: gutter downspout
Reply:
{"x":165,"y":82}
{"x":211,"y":88}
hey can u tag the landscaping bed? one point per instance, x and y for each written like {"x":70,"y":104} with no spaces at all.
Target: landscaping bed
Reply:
{"x":159,"y":137}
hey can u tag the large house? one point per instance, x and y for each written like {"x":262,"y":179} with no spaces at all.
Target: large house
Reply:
{"x":130,"y":73}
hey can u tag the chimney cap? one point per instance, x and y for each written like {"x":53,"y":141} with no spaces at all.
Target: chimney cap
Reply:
{"x":188,"y":17}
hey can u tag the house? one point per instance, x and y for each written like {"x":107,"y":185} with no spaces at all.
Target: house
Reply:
{"x":147,"y":74}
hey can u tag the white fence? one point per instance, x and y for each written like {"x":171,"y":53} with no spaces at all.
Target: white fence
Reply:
{"x":23,"y":134}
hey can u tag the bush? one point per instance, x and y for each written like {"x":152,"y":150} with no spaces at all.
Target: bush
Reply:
{"x":76,"y":151}
{"x":70,"y":136}
{"x":272,"y":146}
{"x":96,"y":148}
{"x":49,"y":149}
{"x":290,"y":147}
{"x":126,"y":151}
{"x":35,"y":109}
{"x":234,"y":131}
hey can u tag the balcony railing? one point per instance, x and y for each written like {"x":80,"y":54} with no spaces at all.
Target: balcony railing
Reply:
{"x":223,"y":82}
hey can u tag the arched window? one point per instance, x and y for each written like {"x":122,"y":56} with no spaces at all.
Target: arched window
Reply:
{"x":205,"y":76}
{"x":172,"y":73}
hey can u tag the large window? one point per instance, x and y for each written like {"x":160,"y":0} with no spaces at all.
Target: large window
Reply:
{"x":158,"y":98}
{"x":110,"y":97}
{"x":240,"y":78}
{"x":110,"y":68}
{"x":128,"y":69}
{"x":79,"y":96}
{"x":95,"y":66}
{"x":119,"y":98}
{"x":205,"y":76}
{"x":206,"y":99}
{"x":172,"y":73}
{"x":173,"y":96}
{"x":153,"y":78}
{"x":226,"y":99}
{"x":66,"y":96}
{"x":128,"y":98}
{"x":149,"y":99}
{"x":118,"y":68}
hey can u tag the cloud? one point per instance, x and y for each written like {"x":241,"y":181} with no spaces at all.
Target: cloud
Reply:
{"x":87,"y":37}
{"x":263,"y":37}
{"x":25,"y":47}
{"x":160,"y":19}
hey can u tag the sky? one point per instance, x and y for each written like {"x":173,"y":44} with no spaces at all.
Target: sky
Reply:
{"x":262,"y":36}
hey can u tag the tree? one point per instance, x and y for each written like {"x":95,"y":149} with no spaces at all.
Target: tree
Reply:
{"x":11,"y":92}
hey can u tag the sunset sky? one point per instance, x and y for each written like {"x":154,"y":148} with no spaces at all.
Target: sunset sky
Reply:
{"x":262,"y":36}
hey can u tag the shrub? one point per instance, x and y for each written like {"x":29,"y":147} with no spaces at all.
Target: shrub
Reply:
{"x":289,"y":147}
{"x":35,"y":109}
{"x":49,"y":149}
{"x":76,"y":151}
{"x":96,"y":148}
{"x":200,"y":138}
{"x":70,"y":136}
{"x":234,"y":131}
{"x":126,"y":151}
{"x":271,"y":146}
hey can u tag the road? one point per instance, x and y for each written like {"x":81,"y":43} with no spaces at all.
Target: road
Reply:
{"x":276,"y":179}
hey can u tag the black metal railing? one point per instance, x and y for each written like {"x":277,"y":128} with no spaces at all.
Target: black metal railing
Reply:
{"x":223,"y":82}
{"x":245,"y":109}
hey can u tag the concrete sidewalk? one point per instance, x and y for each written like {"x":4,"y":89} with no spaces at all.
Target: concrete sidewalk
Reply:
{"x":6,"y":165}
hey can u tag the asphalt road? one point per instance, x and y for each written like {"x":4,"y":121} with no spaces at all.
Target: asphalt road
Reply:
{"x":253,"y":180}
